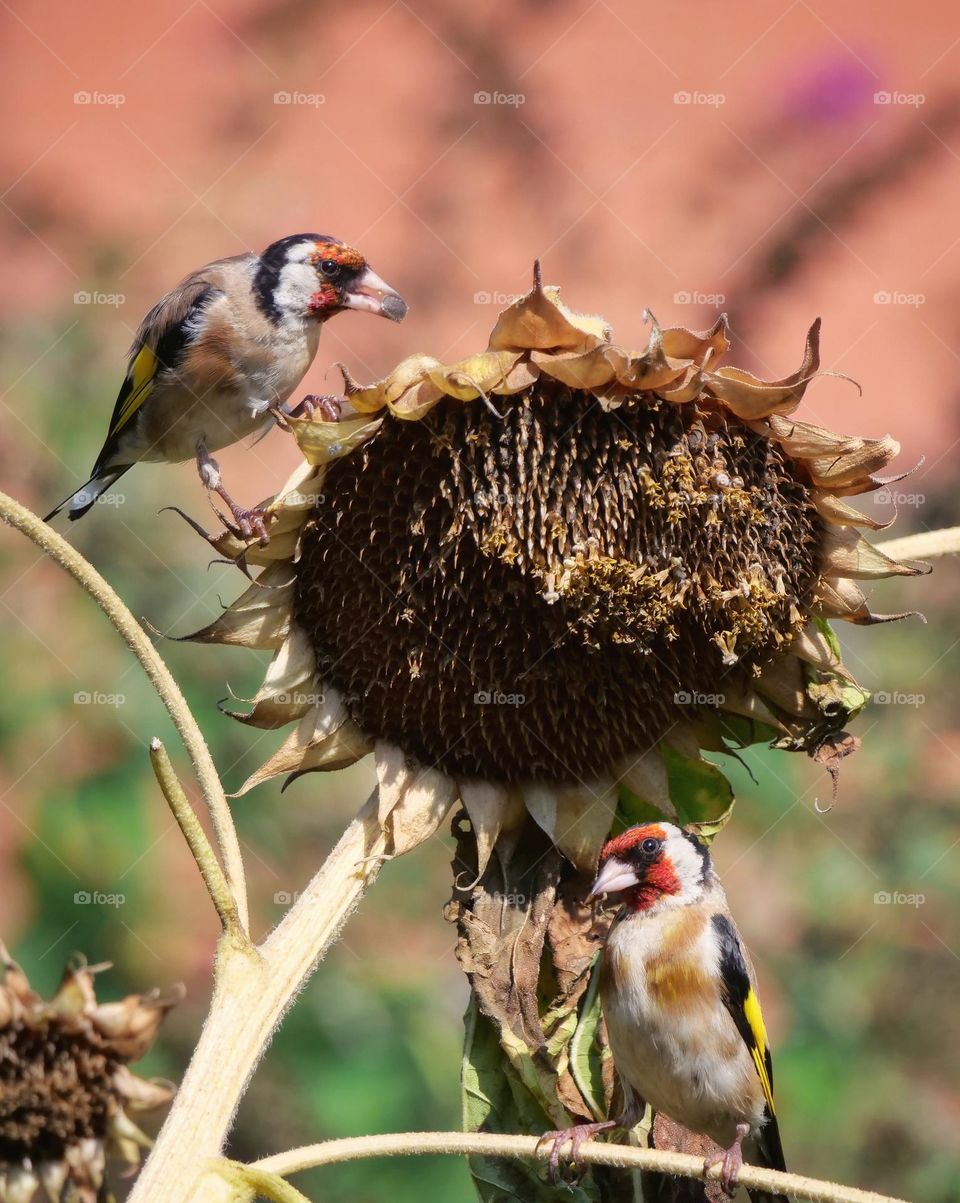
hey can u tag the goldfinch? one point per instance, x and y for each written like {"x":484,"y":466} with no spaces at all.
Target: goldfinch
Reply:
{"x":214,"y":359}
{"x":679,"y":997}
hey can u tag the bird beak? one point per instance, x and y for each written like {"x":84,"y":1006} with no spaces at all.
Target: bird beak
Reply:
{"x":615,"y":875}
{"x":375,"y":296}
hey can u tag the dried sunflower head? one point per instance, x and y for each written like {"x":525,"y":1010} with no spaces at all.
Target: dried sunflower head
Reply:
{"x":554,"y":571}
{"x":66,"y":1094}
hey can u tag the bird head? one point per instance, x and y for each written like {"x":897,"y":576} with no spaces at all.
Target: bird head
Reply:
{"x":314,"y":275}
{"x":653,"y":863}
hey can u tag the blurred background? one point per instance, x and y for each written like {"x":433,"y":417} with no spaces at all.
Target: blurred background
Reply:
{"x":778,"y":162}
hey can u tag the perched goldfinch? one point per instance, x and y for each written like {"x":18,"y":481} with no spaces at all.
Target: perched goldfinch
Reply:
{"x":227,"y":346}
{"x":679,"y":997}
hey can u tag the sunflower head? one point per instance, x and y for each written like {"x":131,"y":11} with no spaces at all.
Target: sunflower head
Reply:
{"x":553,"y":571}
{"x":66,"y":1094}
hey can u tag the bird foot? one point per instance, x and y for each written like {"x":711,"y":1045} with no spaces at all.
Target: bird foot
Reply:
{"x":327,"y":405}
{"x":246,"y":523}
{"x":730,"y":1160}
{"x":576,"y":1135}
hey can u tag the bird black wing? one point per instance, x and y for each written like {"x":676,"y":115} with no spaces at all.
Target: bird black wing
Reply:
{"x":740,"y":999}
{"x":157,"y":346}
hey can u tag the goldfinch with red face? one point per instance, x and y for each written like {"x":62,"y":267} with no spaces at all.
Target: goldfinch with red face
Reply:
{"x":679,"y":997}
{"x":215,"y":357}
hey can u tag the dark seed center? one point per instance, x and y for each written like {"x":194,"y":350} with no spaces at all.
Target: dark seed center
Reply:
{"x":528,"y":597}
{"x":55,"y":1090}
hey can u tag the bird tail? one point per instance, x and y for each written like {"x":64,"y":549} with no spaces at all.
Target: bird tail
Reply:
{"x":770,"y":1155}
{"x":79,"y":502}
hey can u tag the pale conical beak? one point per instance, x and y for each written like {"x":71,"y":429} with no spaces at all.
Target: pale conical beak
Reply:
{"x":374,"y":295}
{"x":615,"y":875}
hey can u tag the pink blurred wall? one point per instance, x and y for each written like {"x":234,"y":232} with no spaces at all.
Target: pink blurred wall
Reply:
{"x":783,"y":188}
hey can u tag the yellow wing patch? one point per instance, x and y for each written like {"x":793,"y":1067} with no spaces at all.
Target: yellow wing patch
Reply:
{"x":758,"y":1046}
{"x":141,"y":375}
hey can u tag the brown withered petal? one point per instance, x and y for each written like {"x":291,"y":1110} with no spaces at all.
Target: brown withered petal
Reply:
{"x":65,"y":1089}
{"x":508,"y":576}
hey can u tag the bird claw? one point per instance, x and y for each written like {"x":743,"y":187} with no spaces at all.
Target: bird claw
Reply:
{"x":247,"y":524}
{"x":328,"y":405}
{"x":730,"y":1161}
{"x":576,"y":1135}
{"x":191,"y":522}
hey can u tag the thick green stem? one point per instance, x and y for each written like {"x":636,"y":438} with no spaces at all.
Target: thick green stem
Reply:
{"x":253,"y":989}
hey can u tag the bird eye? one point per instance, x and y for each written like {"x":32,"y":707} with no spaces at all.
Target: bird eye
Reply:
{"x":330,"y":268}
{"x":649,"y":846}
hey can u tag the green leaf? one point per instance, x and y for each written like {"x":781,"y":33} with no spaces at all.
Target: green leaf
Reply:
{"x":827,"y":631}
{"x":699,"y":791}
{"x":586,"y":1055}
{"x":495,"y":1099}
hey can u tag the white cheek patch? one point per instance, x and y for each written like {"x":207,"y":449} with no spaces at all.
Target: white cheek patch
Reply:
{"x":297,"y":284}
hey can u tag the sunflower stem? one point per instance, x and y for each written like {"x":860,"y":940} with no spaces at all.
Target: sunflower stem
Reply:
{"x":253,"y":988}
{"x":203,"y":853}
{"x":83,"y":572}
{"x":592,"y":1152}
{"x":924,"y":545}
